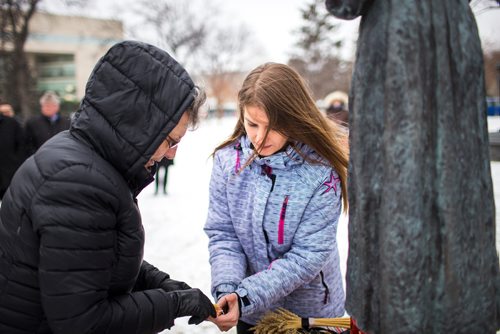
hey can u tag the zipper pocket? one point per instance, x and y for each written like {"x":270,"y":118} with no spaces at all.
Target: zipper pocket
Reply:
{"x":327,"y":291}
{"x":281,"y":226}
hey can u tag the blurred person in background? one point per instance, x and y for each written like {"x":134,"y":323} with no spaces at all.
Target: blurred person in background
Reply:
{"x":6,"y":110}
{"x":336,"y":107}
{"x":11,"y":146}
{"x":71,"y":235}
{"x":49,"y":122}
{"x":165,"y":165}
{"x":276,"y":194}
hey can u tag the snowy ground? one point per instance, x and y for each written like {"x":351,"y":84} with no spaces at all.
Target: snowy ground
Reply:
{"x":175,"y":241}
{"x":494,"y":126}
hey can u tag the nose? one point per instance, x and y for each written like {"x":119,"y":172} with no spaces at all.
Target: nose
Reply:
{"x":261,"y":133}
{"x":170,"y":154}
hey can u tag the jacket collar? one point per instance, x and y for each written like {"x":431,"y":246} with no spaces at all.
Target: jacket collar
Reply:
{"x":280,"y":160}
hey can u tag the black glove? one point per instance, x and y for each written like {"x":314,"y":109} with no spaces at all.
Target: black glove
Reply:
{"x":173,"y":285}
{"x":194,"y":303}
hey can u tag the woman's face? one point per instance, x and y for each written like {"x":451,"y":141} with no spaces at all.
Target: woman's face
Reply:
{"x":256,"y":123}
{"x":168,"y":147}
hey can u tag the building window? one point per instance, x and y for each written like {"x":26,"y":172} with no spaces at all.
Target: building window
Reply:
{"x":56,"y":72}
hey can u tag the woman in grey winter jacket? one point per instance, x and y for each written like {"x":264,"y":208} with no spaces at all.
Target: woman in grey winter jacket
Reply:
{"x":276,"y":193}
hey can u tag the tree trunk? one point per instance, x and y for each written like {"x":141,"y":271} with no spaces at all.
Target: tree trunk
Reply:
{"x":19,"y":84}
{"x":17,"y":16}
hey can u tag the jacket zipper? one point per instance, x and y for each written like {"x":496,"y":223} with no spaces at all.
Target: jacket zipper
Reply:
{"x":237,"y":166}
{"x":281,"y":226}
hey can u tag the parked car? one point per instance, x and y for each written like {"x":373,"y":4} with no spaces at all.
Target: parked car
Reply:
{"x":493,"y":106}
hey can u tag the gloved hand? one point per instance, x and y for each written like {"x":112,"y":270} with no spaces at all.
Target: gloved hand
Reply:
{"x":194,"y":303}
{"x":173,"y":285}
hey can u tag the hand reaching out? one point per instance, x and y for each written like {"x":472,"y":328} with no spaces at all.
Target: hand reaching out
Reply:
{"x":228,"y":320}
{"x":194,"y":303}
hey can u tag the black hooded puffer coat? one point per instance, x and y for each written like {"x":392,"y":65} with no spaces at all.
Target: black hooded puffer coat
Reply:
{"x":71,"y":237}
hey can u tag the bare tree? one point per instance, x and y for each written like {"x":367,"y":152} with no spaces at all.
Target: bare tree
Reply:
{"x":17,"y":85}
{"x":334,"y":74}
{"x":202,"y":40}
{"x":15,"y":18}
{"x":176,"y":24}
{"x":317,"y":55}
{"x":223,"y":57}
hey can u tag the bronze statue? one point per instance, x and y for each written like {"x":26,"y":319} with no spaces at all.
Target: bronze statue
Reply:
{"x":422,"y":255}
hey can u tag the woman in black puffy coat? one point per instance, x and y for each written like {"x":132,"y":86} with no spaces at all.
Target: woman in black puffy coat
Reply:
{"x":71,"y":236}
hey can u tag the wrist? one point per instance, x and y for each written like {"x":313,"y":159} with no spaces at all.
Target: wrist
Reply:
{"x":223,"y":289}
{"x":239,"y":306}
{"x":220,"y":294}
{"x":242,"y":301}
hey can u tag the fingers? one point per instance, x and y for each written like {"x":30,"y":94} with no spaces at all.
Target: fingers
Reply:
{"x":207,"y":311}
{"x":223,"y":325}
{"x":218,"y":310}
{"x":229,"y":319}
{"x":222,"y":306}
{"x":229,"y":305}
{"x":213,"y":311}
{"x":194,"y":303}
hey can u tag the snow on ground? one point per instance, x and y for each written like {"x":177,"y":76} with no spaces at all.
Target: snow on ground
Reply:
{"x":493,"y":123}
{"x":173,"y":223}
{"x":175,"y":241}
{"x":494,"y":126}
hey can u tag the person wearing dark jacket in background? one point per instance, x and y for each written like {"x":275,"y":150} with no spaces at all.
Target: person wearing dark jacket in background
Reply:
{"x":50,"y":122}
{"x":165,"y":165}
{"x":71,"y":236}
{"x":11,"y":146}
{"x":336,"y":109}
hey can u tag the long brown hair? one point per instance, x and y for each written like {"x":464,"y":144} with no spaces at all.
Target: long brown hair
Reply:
{"x":282,"y":94}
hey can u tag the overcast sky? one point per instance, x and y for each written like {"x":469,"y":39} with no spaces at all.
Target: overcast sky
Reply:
{"x":273,"y":22}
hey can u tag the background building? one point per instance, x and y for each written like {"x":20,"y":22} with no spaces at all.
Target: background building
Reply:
{"x":53,"y":52}
{"x":62,"y":50}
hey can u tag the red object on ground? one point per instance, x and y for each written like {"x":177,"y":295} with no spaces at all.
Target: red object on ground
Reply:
{"x":354,"y":327}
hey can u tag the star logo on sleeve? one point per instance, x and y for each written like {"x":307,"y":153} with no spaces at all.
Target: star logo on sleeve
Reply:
{"x":332,"y":183}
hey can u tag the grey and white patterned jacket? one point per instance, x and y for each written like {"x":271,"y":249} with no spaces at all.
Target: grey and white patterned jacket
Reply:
{"x":272,"y":232}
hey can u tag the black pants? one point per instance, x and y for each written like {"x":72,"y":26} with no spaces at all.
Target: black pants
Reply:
{"x":165,"y":178}
{"x":243,"y":328}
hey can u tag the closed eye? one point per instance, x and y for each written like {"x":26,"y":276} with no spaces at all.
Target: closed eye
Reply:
{"x":250,"y":123}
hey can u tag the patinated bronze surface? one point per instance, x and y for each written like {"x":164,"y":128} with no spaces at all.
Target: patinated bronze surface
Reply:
{"x":422,"y":255}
